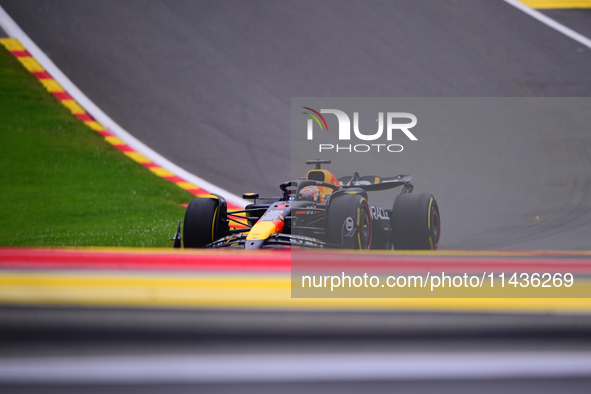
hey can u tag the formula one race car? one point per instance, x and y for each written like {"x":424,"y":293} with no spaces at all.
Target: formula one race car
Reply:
{"x":319,"y":211}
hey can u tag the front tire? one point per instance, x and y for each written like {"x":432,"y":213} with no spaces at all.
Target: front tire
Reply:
{"x":345,"y":213}
{"x":415,"y":222}
{"x":204,"y":221}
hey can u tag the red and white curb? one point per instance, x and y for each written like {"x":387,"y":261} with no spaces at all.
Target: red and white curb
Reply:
{"x":35,"y":61}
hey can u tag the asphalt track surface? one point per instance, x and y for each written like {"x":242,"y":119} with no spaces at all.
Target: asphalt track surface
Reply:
{"x":208,"y":85}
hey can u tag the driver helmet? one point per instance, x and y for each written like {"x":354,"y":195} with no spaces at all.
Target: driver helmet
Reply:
{"x":309,"y":193}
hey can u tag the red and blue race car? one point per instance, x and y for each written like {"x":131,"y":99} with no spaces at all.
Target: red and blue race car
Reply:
{"x":320,"y":211}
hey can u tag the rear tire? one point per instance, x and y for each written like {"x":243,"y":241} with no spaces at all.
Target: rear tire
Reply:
{"x":352,"y":208}
{"x":204,"y":221}
{"x":415,"y":222}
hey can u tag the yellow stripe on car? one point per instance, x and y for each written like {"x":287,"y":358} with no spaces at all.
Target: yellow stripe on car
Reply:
{"x":261,"y":230}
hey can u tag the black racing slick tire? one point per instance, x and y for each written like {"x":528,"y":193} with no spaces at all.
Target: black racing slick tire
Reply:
{"x":348,"y":222}
{"x":205,"y":221}
{"x":415,"y":222}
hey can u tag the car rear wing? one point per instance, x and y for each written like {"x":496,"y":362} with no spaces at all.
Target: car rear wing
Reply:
{"x":372,"y":183}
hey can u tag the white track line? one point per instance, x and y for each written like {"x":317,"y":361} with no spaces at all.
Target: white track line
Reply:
{"x":14,"y":31}
{"x":551,"y":23}
{"x":295,"y":367}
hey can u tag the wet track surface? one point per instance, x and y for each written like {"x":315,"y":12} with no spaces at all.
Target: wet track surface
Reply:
{"x":208,"y":85}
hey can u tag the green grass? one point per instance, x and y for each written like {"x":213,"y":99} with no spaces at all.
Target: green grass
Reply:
{"x":62,"y":184}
